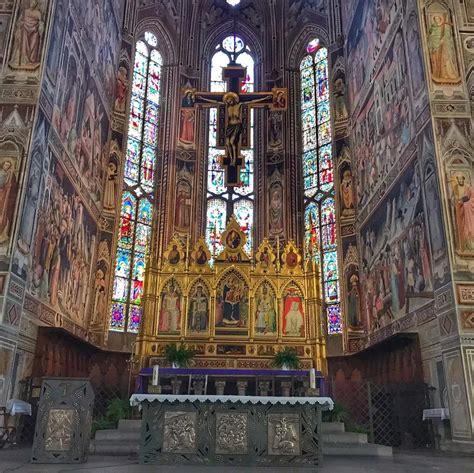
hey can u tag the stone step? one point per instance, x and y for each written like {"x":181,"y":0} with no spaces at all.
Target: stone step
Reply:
{"x":129,"y":424}
{"x":331,"y":427}
{"x":112,"y":447}
{"x":118,"y":435}
{"x":358,"y":450}
{"x":344,"y":437}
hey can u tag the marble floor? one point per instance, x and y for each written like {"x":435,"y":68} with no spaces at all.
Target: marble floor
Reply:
{"x":16,"y":461}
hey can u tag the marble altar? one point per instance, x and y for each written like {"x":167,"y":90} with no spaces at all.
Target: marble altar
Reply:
{"x":230,"y":430}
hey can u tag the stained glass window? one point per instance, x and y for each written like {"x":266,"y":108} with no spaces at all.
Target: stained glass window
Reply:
{"x":318,"y":177}
{"x":137,"y":196}
{"x":222,"y":202}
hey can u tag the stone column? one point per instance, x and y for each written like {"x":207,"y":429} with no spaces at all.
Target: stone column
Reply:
{"x":242,"y":387}
{"x":220,"y":386}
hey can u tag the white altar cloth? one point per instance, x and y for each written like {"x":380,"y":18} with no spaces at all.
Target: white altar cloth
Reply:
{"x":438,"y":413}
{"x":16,"y":407}
{"x":326,"y":402}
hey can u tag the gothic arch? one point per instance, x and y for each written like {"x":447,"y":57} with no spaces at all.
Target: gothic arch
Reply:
{"x":228,"y":28}
{"x":235,"y":271}
{"x":298,"y":49}
{"x":295,"y":284}
{"x":166,"y":47}
{"x":198,"y":281}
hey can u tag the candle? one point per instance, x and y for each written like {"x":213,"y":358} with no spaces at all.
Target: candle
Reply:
{"x":312,"y":378}
{"x":156,"y":373}
{"x":205,"y":386}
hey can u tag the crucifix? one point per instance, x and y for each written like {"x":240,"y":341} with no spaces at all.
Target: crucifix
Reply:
{"x":233,"y":116}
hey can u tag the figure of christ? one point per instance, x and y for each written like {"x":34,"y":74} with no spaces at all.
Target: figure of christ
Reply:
{"x":234,"y":125}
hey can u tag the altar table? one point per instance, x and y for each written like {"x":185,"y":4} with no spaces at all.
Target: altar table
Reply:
{"x":230,"y":430}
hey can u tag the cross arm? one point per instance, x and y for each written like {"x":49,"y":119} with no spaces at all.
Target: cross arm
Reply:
{"x":208,"y":99}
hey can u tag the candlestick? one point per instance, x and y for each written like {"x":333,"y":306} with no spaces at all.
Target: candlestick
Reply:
{"x":156,"y":375}
{"x":312,"y":378}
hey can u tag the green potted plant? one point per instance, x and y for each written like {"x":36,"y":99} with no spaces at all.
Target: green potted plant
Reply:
{"x":286,"y":359}
{"x":179,"y":356}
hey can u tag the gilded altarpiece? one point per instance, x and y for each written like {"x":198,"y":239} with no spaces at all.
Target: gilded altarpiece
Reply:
{"x":235,"y":311}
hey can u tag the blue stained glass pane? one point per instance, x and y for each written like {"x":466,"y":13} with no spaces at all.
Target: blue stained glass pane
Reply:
{"x":310,"y":165}
{"x":334,"y":319}
{"x":133,"y":150}
{"x":322,"y":91}
{"x":306,"y":63}
{"x":215,"y":177}
{"x":136,"y":292}
{"x":142,"y":237}
{"x":138,"y":266}
{"x":120,"y":291}
{"x":243,"y":210}
{"x":139,"y":85}
{"x":213,"y":127}
{"x":122,"y":264}
{"x":150,"y":134}
{"x":117,"y":317}
{"x":309,"y":139}
{"x":128,"y":205}
{"x":330,"y":272}
{"x":246,"y":174}
{"x":151,"y":113}
{"x":156,"y":57}
{"x":215,"y":225}
{"x":131,"y":172}
{"x":135,"y":122}
{"x":145,"y":211}
{"x":323,"y":112}
{"x":308,"y":120}
{"x":324,"y":133}
{"x":134,"y":319}
{"x":321,"y":54}
{"x":141,"y":48}
{"x":321,"y":71}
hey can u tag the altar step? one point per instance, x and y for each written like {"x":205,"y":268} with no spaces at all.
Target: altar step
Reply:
{"x":124,"y":441}
{"x":338,"y":442}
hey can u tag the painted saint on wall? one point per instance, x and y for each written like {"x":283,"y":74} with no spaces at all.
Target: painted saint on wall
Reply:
{"x":187,"y":120}
{"x":441,"y":45}
{"x":121,"y":88}
{"x":182,"y":216}
{"x":265,"y":313}
{"x":198,"y":313}
{"x":347,"y":192}
{"x":8,"y":193}
{"x":463,"y":205}
{"x":275,"y":210}
{"x":275,"y":130}
{"x":293,"y":313}
{"x":28,"y":39}
{"x":170,"y":313}
{"x":353,"y":299}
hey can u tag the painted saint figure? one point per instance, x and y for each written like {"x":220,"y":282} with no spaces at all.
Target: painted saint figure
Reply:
{"x":170,"y":315}
{"x":8,"y":192}
{"x":232,"y":293}
{"x":187,"y":119}
{"x":266,"y":314}
{"x":26,"y":49}
{"x":198,"y":311}
{"x":444,"y":65}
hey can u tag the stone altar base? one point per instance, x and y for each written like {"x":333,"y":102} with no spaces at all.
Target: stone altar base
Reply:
{"x":231,"y":430}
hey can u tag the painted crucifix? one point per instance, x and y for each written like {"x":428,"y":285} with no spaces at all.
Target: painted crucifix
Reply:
{"x":233,"y":118}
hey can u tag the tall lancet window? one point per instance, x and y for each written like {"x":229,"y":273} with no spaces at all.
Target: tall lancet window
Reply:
{"x":137,"y":197}
{"x":224,"y":201}
{"x":320,"y":214}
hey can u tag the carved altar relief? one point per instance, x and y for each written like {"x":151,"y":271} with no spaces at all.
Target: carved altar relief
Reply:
{"x":284,"y":434}
{"x":179,"y":432}
{"x":231,"y":433}
{"x":59,"y":430}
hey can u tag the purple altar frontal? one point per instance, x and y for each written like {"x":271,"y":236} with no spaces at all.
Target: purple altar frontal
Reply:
{"x":228,"y":373}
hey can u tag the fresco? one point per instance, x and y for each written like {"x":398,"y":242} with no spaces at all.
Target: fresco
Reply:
{"x":72,"y":174}
{"x":384,"y":128}
{"x":398,"y":274}
{"x":64,"y":247}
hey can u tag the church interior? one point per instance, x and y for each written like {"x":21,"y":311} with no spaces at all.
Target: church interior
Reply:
{"x":242,"y":180}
